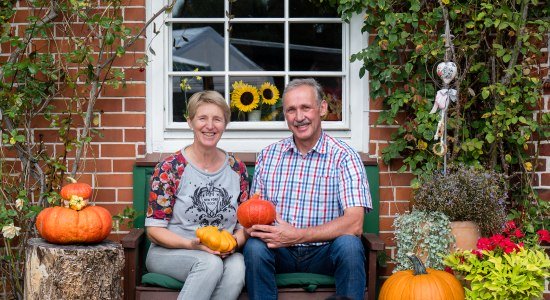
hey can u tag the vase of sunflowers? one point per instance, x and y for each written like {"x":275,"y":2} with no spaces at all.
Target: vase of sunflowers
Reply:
{"x":259,"y":104}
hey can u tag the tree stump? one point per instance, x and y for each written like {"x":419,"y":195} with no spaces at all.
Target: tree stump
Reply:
{"x":73,"y":271}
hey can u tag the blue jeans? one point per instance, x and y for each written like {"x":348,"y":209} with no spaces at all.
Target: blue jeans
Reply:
{"x":343,"y":258}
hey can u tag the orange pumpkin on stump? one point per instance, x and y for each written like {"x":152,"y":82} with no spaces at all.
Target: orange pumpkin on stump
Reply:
{"x":421,"y":284}
{"x":60,"y":225}
{"x":256,"y":211}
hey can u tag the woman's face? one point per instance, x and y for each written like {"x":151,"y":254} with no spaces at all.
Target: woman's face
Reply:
{"x":208,"y":125}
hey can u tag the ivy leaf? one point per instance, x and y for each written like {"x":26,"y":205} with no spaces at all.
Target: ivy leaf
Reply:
{"x":485,"y":94}
{"x":490,"y":137}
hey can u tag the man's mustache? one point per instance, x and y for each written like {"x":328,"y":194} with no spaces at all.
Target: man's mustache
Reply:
{"x":303,"y":122}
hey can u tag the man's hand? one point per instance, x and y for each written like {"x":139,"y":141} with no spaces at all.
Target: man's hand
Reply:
{"x":279,"y":236}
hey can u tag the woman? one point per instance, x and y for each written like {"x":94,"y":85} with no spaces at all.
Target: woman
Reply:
{"x":198,"y":186}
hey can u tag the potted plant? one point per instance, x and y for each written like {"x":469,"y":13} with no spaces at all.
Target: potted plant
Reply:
{"x":426,"y":235}
{"x":508,"y":265}
{"x":466,"y":195}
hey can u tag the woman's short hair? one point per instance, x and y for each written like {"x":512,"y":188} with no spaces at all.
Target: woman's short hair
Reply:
{"x":294,"y":83}
{"x":204,"y":97}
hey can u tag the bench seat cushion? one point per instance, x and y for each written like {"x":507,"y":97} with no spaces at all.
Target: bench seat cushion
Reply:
{"x":307,"y":281}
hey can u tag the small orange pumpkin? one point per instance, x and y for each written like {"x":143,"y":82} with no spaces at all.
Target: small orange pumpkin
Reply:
{"x":216,"y":239}
{"x":60,"y":225}
{"x":77,"y":189}
{"x":256,"y":211}
{"x":420,"y":284}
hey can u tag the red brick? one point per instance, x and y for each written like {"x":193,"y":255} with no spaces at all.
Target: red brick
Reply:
{"x":134,"y":74}
{"x":118,"y":150}
{"x":384,"y":208}
{"x":544,"y":194}
{"x":108,"y":105}
{"x":377,"y":104}
{"x":104,"y":195}
{"x":50,"y":135}
{"x":134,"y":135}
{"x":134,"y":104}
{"x":141,"y":150}
{"x":541,"y":165}
{"x":109,"y":135}
{"x":93,"y":165}
{"x":386,"y":194}
{"x":134,"y":14}
{"x":396,"y":179}
{"x":403,"y":193}
{"x":123,"y":120}
{"x":21,"y":16}
{"x":91,"y":149}
{"x":399,"y":207}
{"x":545,"y":179}
{"x":386,"y":223}
{"x":387,"y":238}
{"x":114,"y":180}
{"x":123,"y":165}
{"x":544,"y":150}
{"x":381,"y":133}
{"x":125,"y":195}
{"x":131,"y":90}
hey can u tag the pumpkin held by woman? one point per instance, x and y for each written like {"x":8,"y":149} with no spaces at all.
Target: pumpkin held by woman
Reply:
{"x":60,"y":225}
{"x":256,"y":211}
{"x":420,"y":284}
{"x":216,"y":239}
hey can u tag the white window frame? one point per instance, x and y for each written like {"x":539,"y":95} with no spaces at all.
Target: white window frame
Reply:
{"x":165,"y":137}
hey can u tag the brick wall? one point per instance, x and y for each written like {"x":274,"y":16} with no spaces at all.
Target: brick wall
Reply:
{"x":122,"y":118}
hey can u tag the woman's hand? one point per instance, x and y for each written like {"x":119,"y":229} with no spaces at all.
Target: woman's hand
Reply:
{"x":197,"y":245}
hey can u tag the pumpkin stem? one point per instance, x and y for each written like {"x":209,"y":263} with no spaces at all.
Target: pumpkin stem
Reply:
{"x":70,"y":179}
{"x":418,"y":266}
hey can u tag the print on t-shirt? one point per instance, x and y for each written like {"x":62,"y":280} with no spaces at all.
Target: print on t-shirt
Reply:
{"x":208,"y":204}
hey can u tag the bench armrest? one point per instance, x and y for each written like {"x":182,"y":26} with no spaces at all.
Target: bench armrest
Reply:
{"x":133,"y":257}
{"x":373,"y":242}
{"x":133,"y":239}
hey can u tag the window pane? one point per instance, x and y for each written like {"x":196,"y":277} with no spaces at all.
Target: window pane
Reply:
{"x":257,"y":47}
{"x":198,"y":9}
{"x":332,"y":88}
{"x":311,"y":9}
{"x":257,"y":9}
{"x":197,"y":46}
{"x":183,"y":87}
{"x":316,"y":47}
{"x":261,"y":94}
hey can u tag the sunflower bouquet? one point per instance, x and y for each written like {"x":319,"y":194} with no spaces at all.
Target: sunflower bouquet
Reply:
{"x":247,"y":98}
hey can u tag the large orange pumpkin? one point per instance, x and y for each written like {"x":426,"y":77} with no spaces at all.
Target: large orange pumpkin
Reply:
{"x":216,"y":239}
{"x":60,"y":225}
{"x":421,"y":284}
{"x":256,"y":211}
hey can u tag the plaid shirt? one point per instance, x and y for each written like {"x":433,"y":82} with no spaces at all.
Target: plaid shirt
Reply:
{"x":313,"y":189}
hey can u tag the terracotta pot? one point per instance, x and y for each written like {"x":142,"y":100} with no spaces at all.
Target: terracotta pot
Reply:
{"x":466,"y":234}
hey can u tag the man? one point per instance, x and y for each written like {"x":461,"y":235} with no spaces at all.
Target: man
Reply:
{"x":319,"y":187}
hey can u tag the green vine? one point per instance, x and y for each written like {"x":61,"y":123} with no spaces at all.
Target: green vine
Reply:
{"x":497,"y":120}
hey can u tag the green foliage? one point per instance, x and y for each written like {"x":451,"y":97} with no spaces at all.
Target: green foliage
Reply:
{"x":496,"y":47}
{"x":425,"y":234}
{"x":466,"y":194}
{"x":515,"y":275}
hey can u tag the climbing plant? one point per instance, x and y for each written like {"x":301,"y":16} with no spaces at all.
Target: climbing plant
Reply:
{"x":497,"y":121}
{"x":57,"y":58}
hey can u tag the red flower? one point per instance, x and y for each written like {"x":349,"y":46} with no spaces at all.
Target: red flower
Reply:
{"x":485,"y":244}
{"x":509,"y":226}
{"x":518,"y":234}
{"x":544,"y":235}
{"x":449,"y":270}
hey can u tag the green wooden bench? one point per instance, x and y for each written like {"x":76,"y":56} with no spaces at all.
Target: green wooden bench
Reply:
{"x":139,"y":284}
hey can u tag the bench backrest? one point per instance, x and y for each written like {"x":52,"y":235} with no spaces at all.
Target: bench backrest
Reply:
{"x":142,"y":187}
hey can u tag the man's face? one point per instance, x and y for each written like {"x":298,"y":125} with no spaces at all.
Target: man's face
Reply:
{"x":303,"y":116}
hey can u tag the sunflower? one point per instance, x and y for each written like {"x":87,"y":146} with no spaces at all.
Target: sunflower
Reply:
{"x":269,"y":93}
{"x":245,"y":97}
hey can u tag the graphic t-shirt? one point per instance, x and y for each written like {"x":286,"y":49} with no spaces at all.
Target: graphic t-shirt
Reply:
{"x":184,"y":198}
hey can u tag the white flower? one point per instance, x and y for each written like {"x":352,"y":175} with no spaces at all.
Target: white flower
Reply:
{"x":19,"y":203}
{"x":10,"y":231}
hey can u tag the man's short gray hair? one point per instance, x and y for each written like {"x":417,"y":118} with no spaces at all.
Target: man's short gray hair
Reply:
{"x":298,"y":82}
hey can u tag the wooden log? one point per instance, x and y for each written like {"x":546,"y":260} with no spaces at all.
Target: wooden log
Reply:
{"x":73,"y":271}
